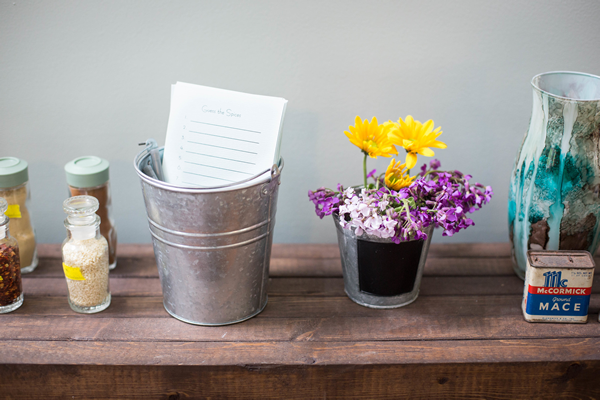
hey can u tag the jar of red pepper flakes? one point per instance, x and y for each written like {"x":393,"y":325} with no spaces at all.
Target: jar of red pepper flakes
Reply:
{"x":14,"y":187}
{"x":11,"y":288}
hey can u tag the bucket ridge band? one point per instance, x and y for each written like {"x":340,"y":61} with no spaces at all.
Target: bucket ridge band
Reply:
{"x":208,"y":235}
{"x":210,"y":248}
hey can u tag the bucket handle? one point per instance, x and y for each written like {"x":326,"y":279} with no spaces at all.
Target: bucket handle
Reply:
{"x":275,"y":172}
{"x":275,"y":169}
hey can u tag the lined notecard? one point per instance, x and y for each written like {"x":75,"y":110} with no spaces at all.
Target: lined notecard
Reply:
{"x":217,"y":137}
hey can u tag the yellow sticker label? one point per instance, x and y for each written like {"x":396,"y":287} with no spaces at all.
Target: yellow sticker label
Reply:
{"x":73,"y":273}
{"x":13,"y":211}
{"x":1,"y":279}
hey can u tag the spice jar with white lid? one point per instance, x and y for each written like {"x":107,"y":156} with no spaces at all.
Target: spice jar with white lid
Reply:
{"x":11,"y":289}
{"x":14,"y":187}
{"x":89,"y":176}
{"x":85,"y":256}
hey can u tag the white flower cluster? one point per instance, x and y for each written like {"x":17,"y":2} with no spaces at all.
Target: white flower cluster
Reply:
{"x":367,"y":214}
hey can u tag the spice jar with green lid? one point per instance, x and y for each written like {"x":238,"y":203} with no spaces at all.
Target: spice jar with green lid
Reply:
{"x":14,"y":187}
{"x":89,"y":176}
{"x":11,"y":289}
{"x":85,"y":256}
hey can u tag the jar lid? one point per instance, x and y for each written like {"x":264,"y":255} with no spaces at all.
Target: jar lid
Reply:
{"x":13,"y":172}
{"x":88,"y":171}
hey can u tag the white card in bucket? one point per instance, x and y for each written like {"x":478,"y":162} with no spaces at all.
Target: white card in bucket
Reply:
{"x":218,"y":137}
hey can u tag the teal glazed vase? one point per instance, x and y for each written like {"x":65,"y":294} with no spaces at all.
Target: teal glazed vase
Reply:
{"x":554,"y":194}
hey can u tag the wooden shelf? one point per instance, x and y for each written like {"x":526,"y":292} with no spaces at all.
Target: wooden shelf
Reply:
{"x":464,"y":337}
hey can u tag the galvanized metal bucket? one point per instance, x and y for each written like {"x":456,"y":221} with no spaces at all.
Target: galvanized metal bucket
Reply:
{"x":212,"y":245}
{"x":350,"y":250}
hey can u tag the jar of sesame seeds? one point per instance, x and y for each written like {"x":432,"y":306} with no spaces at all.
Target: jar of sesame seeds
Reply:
{"x":85,"y":256}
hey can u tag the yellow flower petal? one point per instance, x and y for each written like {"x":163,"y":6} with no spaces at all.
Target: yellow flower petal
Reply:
{"x":371,"y":137}
{"x":428,"y":127}
{"x":352,"y":139}
{"x":426,"y":151}
{"x":415,"y":137}
{"x":437,"y":144}
{"x":373,"y":125}
{"x":396,"y":176}
{"x":411,"y":160}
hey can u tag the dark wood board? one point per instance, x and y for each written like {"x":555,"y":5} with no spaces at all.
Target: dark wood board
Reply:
{"x":507,"y":381}
{"x":292,"y":319}
{"x":86,"y":352}
{"x":464,"y":337}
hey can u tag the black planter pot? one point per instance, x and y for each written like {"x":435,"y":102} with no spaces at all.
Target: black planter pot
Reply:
{"x":379,"y":273}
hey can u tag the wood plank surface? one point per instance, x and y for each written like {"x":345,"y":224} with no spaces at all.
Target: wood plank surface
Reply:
{"x":310,"y":266}
{"x":479,"y":259}
{"x":317,"y":267}
{"x":292,"y":286}
{"x":494,"y":381}
{"x":464,"y":337}
{"x":330,"y":329}
{"x":298,"y":352}
{"x":292,"y":319}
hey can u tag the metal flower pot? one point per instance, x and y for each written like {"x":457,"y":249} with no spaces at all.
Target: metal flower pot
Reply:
{"x":379,"y":273}
{"x":212,"y":245}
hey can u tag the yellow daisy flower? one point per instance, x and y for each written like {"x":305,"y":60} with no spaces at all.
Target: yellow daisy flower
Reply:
{"x":396,"y":176}
{"x":415,"y":137}
{"x":371,"y":138}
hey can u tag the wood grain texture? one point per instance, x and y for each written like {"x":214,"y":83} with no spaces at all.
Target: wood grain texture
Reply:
{"x":303,"y":306}
{"x":308,"y":267}
{"x":331,"y":329}
{"x":85,"y":352}
{"x":292,"y":319}
{"x":494,"y":381}
{"x":317,"y":260}
{"x":312,"y":287}
{"x":464,"y":337}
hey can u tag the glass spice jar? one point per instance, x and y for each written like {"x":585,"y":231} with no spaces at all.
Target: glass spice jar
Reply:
{"x":89,"y":176}
{"x":14,"y":187}
{"x":85,"y":256}
{"x":11,"y":288}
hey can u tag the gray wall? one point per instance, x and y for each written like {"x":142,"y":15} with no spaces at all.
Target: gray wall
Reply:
{"x":93,"y":77}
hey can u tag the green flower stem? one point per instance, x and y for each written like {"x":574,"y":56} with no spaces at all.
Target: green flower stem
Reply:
{"x":431,"y":172}
{"x":454,"y":178}
{"x":365,"y":169}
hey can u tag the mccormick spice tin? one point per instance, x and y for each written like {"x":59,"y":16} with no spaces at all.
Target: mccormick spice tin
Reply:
{"x":558,"y":285}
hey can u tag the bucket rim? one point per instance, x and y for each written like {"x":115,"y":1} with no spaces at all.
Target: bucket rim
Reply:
{"x":275,"y":173}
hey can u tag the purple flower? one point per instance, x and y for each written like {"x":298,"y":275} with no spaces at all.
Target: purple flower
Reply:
{"x":443,"y":199}
{"x":435,"y":164}
{"x":325,"y":201}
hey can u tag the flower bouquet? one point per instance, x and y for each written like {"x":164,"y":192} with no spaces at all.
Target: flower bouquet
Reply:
{"x":385,"y":225}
